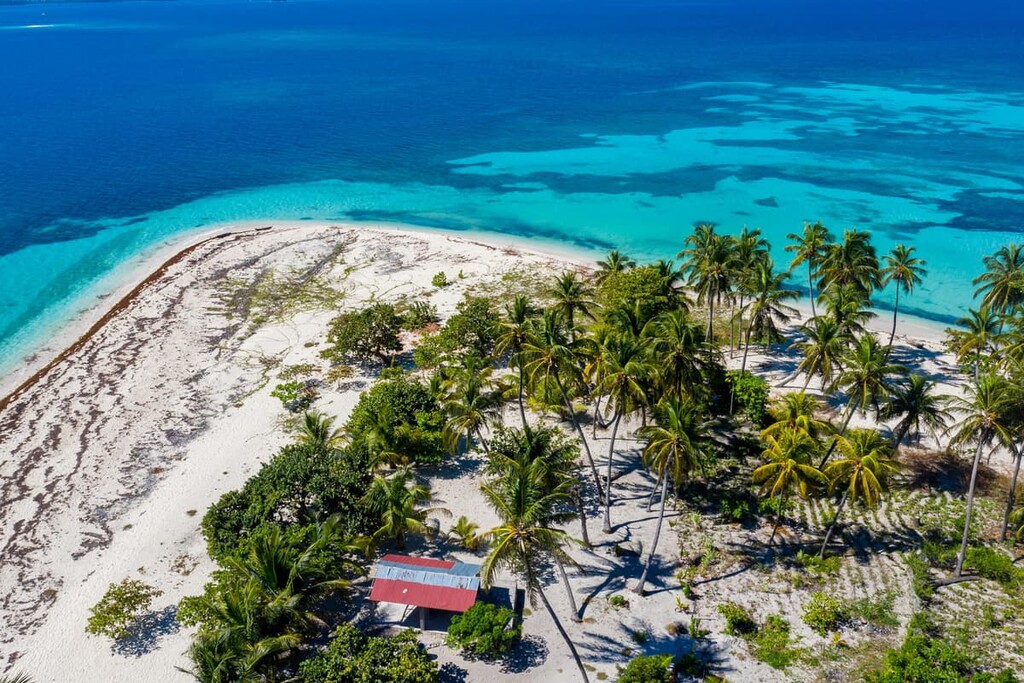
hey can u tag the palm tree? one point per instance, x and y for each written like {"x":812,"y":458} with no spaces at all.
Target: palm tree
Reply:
{"x":625,"y":372}
{"x":218,"y":660}
{"x":515,"y":331}
{"x":765,"y":288}
{"x":526,"y":540}
{"x":551,"y":357}
{"x":572,"y":296}
{"x":851,"y":261}
{"x":906,"y":270}
{"x":983,"y":410}
{"x":823,"y":347}
{"x":979,"y":337}
{"x":676,"y":445}
{"x":795,"y":410}
{"x":614,"y":262}
{"x":397,"y":501}
{"x":748,"y":249}
{"x":708,"y":261}
{"x":809,"y":248}
{"x":862,"y":471}
{"x":675,"y":341}
{"x":917,"y":404}
{"x":865,"y":380}
{"x":471,"y":406}
{"x":846,"y":304}
{"x":788,"y":469}
{"x":319,"y":433}
{"x":1001,"y":286}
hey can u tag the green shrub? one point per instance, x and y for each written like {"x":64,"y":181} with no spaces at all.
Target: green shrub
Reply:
{"x":419,"y":314}
{"x":734,"y":510}
{"x":365,"y":335}
{"x":993,"y":564}
{"x":647,"y":669}
{"x":404,"y":412}
{"x":824,"y":613}
{"x":120,"y":608}
{"x":296,"y":396}
{"x":819,"y":566}
{"x":771,"y":644}
{"x":354,"y":657}
{"x":879,"y":610}
{"x":440,"y":280}
{"x":738,"y":621}
{"x":751,"y":394}
{"x":485,"y":630}
{"x":618,"y":601}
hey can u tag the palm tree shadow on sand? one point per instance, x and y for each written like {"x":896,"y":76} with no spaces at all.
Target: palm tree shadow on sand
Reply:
{"x":146,"y":632}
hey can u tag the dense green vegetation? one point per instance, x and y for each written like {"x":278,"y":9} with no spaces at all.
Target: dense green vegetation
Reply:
{"x":627,"y":351}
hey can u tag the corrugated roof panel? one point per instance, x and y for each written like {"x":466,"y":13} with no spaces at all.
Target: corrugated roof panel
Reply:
{"x":426,"y":577}
{"x":411,"y":561}
{"x":420,"y":595}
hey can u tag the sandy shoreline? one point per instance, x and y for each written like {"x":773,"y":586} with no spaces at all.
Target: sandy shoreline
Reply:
{"x":121,"y":443}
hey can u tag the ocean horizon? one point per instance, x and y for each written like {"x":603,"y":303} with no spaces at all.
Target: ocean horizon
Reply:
{"x":595,"y":125}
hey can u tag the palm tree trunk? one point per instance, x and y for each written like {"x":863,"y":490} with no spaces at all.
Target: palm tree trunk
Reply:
{"x":522,"y":407}
{"x":810,"y":288}
{"x":565,"y":636}
{"x":597,"y":416}
{"x":970,"y":509}
{"x":901,"y":433}
{"x":608,"y":491}
{"x":483,"y":442}
{"x":895,"y":311}
{"x":654,"y":493}
{"x":835,"y":439}
{"x":1011,"y":497}
{"x":743,"y":365}
{"x":778,"y":520}
{"x":835,"y":522}
{"x":579,"y":430}
{"x":578,"y":500}
{"x":711,"y":320}
{"x":568,"y":591}
{"x":639,"y":590}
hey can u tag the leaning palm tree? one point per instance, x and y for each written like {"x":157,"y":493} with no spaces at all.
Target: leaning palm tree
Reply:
{"x":788,"y":470}
{"x":919,"y":408}
{"x":795,"y":410}
{"x":823,"y":347}
{"x":676,"y":446}
{"x":866,"y":380}
{"x":978,"y":338}
{"x":906,"y":270}
{"x":626,"y":371}
{"x":862,"y":471}
{"x":526,"y":541}
{"x":983,"y":410}
{"x":515,"y":331}
{"x":397,"y":501}
{"x":707,"y":263}
{"x":552,"y":357}
{"x":573,"y":298}
{"x":319,"y":433}
{"x":809,"y":248}
{"x":1001,"y":286}
{"x":614,"y":262}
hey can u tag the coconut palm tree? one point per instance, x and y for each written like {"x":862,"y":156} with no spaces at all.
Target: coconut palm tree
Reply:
{"x":676,"y":446}
{"x":851,"y":261}
{"x":847,"y":306}
{"x":983,"y":409}
{"x":810,"y":246}
{"x":219,"y":660}
{"x":866,"y":380}
{"x":526,"y":541}
{"x":515,"y":331}
{"x":906,"y":270}
{"x":573,"y":298}
{"x":862,"y":471}
{"x":749,"y":249}
{"x":552,"y":357}
{"x":766,"y":307}
{"x":614,"y":262}
{"x":397,"y":501}
{"x":979,"y":337}
{"x":918,"y":405}
{"x":1001,"y":286}
{"x":319,"y":433}
{"x":675,"y":341}
{"x":623,"y":378}
{"x":795,"y":410}
{"x":707,"y":263}
{"x":472,"y":405}
{"x":823,"y":347}
{"x":788,"y":470}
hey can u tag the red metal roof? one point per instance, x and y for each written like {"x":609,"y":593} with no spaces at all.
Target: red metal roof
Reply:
{"x":417,"y":561}
{"x":422,"y":595}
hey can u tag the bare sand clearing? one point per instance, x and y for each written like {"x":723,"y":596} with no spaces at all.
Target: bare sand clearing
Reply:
{"x":113,"y":452}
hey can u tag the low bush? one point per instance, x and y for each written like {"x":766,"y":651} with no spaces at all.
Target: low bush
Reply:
{"x":879,"y":610}
{"x":819,"y":566}
{"x":296,"y":396}
{"x":993,"y":564}
{"x":120,"y":608}
{"x":354,"y":657}
{"x":738,"y":621}
{"x":824,"y":613}
{"x":751,"y":393}
{"x":647,"y":669}
{"x":440,"y":280}
{"x":771,"y":643}
{"x":485,"y":630}
{"x":365,"y":335}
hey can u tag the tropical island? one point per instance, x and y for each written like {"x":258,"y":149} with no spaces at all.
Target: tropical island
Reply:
{"x":634,"y":472}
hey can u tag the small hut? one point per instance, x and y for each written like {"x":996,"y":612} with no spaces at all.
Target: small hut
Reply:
{"x":425,"y":583}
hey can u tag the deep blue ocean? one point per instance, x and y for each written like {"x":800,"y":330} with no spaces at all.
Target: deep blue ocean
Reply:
{"x":597,"y":123}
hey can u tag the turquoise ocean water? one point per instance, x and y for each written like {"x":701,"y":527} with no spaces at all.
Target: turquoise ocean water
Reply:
{"x":595,"y":124}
